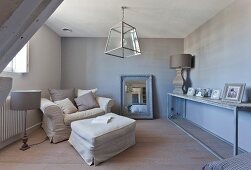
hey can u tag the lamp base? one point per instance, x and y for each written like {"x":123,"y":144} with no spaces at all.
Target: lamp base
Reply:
{"x":25,"y":146}
{"x":178,"y":90}
{"x":178,"y":81}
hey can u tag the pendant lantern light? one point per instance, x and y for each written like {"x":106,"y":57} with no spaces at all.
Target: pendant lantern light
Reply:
{"x":122,"y":40}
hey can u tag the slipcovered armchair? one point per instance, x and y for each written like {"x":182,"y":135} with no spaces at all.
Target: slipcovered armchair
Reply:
{"x":56,"y":123}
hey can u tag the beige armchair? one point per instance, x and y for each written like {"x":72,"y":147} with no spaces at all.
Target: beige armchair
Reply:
{"x":56,"y":124}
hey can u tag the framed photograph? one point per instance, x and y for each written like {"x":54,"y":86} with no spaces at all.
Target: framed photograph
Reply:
{"x":233,"y":92}
{"x":191,"y":91}
{"x":216,"y":93}
{"x":199,"y":92}
{"x":208,"y":92}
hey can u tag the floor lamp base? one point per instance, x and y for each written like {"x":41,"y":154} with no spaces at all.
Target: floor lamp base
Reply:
{"x":25,"y":146}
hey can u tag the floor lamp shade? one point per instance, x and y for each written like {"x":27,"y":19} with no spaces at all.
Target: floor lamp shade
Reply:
{"x":25,"y":99}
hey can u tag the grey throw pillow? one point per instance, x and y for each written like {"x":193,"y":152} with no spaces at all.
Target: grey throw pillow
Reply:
{"x":86,"y":102}
{"x":62,"y":94}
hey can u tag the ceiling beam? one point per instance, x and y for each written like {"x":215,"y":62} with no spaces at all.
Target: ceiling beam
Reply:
{"x":22,"y":25}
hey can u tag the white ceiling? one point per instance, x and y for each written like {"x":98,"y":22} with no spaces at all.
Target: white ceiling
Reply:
{"x":152,"y":18}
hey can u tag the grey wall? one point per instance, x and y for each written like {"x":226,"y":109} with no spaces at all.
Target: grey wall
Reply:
{"x":45,"y":67}
{"x":84,"y":65}
{"x":222,"y":47}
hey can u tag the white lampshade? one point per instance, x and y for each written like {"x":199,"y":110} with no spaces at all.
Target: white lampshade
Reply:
{"x":25,"y":99}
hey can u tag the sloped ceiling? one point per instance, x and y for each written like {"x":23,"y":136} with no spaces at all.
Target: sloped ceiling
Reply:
{"x":7,"y":7}
{"x":20,"y":19}
{"x":152,"y":18}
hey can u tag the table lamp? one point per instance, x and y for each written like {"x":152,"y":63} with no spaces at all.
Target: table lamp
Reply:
{"x":25,"y":100}
{"x":180,"y":62}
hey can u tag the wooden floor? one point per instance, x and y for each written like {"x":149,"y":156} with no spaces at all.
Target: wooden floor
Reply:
{"x":160,"y":145}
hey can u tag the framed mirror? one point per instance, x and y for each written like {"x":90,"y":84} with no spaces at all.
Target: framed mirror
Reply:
{"x":136,"y":96}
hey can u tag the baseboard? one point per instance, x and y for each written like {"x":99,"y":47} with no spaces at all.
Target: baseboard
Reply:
{"x":31,"y":129}
{"x":10,"y":141}
{"x":19,"y":136}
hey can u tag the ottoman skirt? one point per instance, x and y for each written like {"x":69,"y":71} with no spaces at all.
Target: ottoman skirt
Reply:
{"x":100,"y":145}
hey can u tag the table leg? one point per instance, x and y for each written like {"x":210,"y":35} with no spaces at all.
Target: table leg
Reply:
{"x":185,"y":108}
{"x":169,"y":105}
{"x":235,"y":131}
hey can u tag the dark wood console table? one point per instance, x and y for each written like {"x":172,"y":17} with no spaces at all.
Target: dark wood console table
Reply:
{"x":235,"y":107}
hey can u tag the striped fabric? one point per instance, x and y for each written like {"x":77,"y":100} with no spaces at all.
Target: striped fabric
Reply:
{"x":240,"y":162}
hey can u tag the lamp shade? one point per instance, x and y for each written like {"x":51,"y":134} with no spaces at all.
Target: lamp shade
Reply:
{"x":25,"y":99}
{"x":181,"y":61}
{"x":6,"y":85}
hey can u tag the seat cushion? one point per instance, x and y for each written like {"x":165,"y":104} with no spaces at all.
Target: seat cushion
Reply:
{"x":97,"y":134}
{"x":68,"y":118}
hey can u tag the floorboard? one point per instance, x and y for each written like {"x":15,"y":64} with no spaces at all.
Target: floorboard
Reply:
{"x":160,"y":145}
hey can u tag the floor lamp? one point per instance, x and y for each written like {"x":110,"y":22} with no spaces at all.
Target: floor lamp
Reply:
{"x":25,"y":100}
{"x":180,"y":62}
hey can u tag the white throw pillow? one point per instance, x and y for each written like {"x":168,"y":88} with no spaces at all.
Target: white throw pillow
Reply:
{"x":83,"y":92}
{"x":67,"y":106}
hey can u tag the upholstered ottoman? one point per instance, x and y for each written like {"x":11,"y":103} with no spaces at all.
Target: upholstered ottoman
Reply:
{"x":99,"y":142}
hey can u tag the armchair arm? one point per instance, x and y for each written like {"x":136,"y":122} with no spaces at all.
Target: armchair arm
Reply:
{"x":105,"y":103}
{"x":53,"y":121}
{"x":50,"y":109}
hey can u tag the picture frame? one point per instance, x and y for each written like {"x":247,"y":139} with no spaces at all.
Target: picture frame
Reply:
{"x":191,"y":91}
{"x":208,"y":92}
{"x":216,"y":93}
{"x":233,"y":92}
{"x":199,"y":92}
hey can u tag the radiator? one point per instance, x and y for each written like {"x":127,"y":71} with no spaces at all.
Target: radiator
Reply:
{"x":11,"y":122}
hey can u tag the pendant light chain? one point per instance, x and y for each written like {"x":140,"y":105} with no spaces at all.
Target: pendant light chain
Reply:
{"x":123,"y":12}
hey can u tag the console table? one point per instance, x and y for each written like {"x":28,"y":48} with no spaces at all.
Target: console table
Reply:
{"x":235,"y":107}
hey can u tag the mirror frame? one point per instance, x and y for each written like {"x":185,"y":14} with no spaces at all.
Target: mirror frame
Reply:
{"x":149,"y":96}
